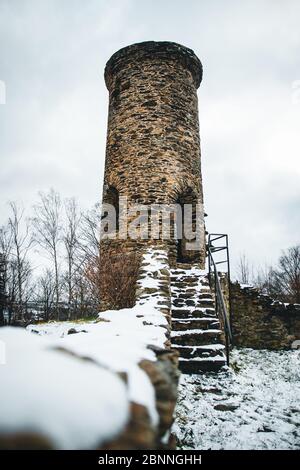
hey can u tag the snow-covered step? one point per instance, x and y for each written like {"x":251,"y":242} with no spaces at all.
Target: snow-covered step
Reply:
{"x":184,"y":313}
{"x":205,"y":323}
{"x":202,"y":352}
{"x":206,"y":303}
{"x":196,"y":366}
{"x":196,"y":330}
{"x":196,"y":337}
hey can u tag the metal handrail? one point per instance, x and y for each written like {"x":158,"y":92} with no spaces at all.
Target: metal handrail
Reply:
{"x":220,"y":303}
{"x":212,"y":237}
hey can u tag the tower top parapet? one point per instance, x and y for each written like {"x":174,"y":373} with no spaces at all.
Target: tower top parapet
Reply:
{"x":163,"y":50}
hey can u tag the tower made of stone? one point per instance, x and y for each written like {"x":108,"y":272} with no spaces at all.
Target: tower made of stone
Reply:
{"x":153,"y":141}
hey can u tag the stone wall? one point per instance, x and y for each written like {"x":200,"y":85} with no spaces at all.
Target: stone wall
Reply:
{"x":131,"y":346}
{"x":153,"y":291}
{"x":153,"y":288}
{"x":260,"y":322}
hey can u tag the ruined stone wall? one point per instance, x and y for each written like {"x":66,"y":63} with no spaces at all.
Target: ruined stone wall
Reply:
{"x":153,"y":290}
{"x":153,"y":142}
{"x":158,"y":361}
{"x":260,"y":322}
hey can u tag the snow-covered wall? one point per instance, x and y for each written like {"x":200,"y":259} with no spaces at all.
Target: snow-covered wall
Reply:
{"x":109,"y":384}
{"x":260,"y":322}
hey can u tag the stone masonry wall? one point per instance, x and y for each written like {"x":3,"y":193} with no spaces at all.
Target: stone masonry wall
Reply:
{"x":260,"y":322}
{"x":153,"y":143}
{"x":148,"y":332}
{"x":153,"y":287}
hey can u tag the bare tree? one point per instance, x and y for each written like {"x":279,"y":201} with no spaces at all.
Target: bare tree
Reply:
{"x":286,"y":277}
{"x":90,"y":233}
{"x":84,"y":299}
{"x":243,"y":269}
{"x":87,"y":259}
{"x":21,"y":241}
{"x":46,"y":292}
{"x":5,"y":247}
{"x":48,"y":232}
{"x":5,"y":241}
{"x":71,"y":243}
{"x":264,"y":279}
{"x":2,"y":287}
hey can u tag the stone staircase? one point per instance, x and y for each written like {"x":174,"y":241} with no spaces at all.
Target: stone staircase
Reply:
{"x":196,"y":330}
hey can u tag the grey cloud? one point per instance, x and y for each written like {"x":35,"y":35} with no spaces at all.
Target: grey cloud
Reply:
{"x":53,"y":127}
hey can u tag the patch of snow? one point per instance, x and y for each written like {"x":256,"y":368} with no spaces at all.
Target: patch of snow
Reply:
{"x":196,"y":331}
{"x":203,"y":359}
{"x":76,"y":404}
{"x":155,"y":259}
{"x":212,"y":347}
{"x":195,"y":319}
{"x":119,"y":343}
{"x":253,"y":405}
{"x":56,"y":328}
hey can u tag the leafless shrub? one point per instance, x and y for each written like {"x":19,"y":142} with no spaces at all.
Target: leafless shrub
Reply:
{"x":286,"y":277}
{"x":114,"y":277}
{"x":281,"y":282}
{"x":243,"y":269}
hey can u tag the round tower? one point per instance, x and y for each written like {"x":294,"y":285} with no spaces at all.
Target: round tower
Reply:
{"x":153,"y":141}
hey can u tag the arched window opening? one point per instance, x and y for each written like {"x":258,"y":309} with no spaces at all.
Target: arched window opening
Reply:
{"x":112,"y":197}
{"x":186,"y":224}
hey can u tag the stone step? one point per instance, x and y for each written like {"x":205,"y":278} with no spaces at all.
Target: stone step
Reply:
{"x":179,"y":305}
{"x":205,"y":295}
{"x":180,"y":312}
{"x":209,"y":312}
{"x":195,"y":323}
{"x":190,"y":302}
{"x":198,"y":367}
{"x":176,"y":300}
{"x":183,"y":266}
{"x":186,"y":295}
{"x":201,"y":352}
{"x":196,"y":330}
{"x":186,"y":290}
{"x":186,"y":278}
{"x":205,"y":303}
{"x":196,"y":337}
{"x":205,"y":290}
{"x":181,"y":285}
{"x":183,"y":303}
{"x":185,"y":313}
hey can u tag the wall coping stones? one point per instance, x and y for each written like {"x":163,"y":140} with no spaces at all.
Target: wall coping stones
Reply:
{"x":277,"y":307}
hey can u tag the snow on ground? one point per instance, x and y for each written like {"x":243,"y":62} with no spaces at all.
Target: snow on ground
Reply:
{"x":253,"y":405}
{"x":74,"y":403}
{"x":118,"y":341}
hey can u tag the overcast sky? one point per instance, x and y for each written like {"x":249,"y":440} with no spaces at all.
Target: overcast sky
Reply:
{"x":53,"y":125}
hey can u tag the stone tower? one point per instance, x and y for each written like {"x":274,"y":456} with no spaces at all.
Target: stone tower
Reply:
{"x":153,"y":142}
